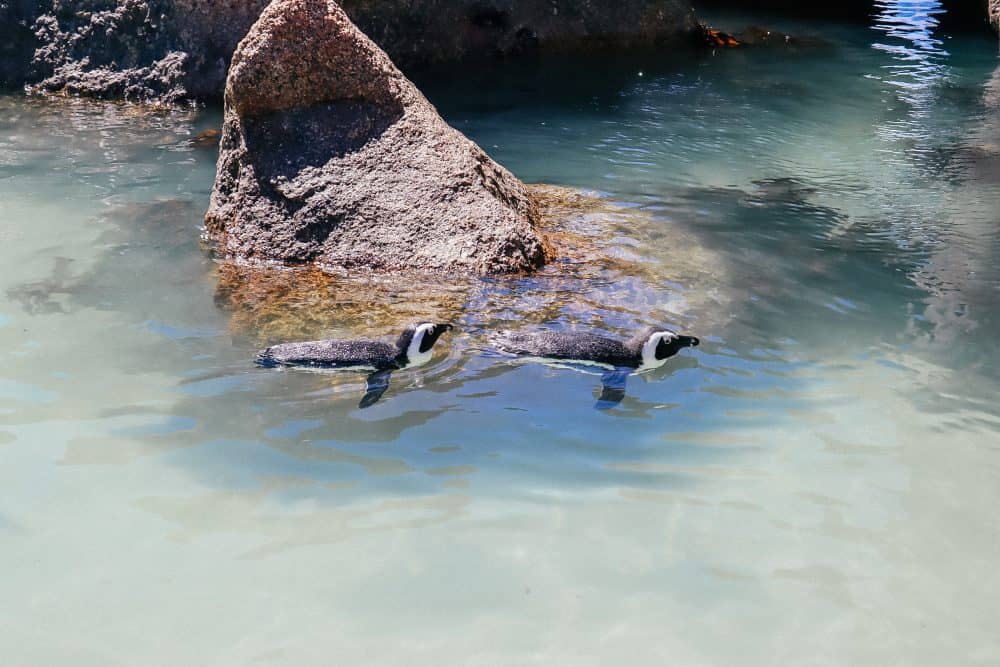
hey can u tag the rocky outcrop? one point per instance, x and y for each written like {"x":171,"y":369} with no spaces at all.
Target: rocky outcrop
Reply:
{"x":166,"y":50}
{"x":139,"y":50}
{"x":99,"y":49}
{"x":330,"y":155}
{"x":170,"y":50}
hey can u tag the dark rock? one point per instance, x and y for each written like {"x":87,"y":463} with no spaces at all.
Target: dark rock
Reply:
{"x":858,"y":11}
{"x":102,"y":48}
{"x":17,"y":40}
{"x":968,"y":16}
{"x":757,"y":36}
{"x":330,"y":155}
{"x":424,"y":32}
{"x":172,"y":50}
{"x":168,"y":50}
{"x":209,"y":30}
{"x":139,"y":50}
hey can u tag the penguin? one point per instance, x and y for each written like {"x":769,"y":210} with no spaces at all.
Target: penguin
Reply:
{"x":648,"y":350}
{"x":412,"y":348}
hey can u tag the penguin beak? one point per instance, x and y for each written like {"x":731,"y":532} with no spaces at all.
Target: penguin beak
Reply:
{"x":445,"y":327}
{"x":690,"y":341}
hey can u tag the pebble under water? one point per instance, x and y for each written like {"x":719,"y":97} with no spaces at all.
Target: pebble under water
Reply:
{"x":816,"y":483}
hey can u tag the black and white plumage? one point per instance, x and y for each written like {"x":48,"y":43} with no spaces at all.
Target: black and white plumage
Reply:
{"x":646,"y":351}
{"x":412,"y":348}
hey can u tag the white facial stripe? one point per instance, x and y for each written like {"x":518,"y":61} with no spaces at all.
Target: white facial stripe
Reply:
{"x":413,"y":353}
{"x":649,"y":359}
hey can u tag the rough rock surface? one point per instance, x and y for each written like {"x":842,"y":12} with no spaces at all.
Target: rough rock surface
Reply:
{"x":168,"y":50}
{"x":99,"y":48}
{"x":330,"y":155}
{"x":139,"y":50}
{"x":994,"y":13}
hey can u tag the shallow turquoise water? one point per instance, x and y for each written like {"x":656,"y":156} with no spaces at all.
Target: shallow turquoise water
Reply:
{"x":815,"y":484}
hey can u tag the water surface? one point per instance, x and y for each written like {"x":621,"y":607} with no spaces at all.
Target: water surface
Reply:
{"x":815,"y":484}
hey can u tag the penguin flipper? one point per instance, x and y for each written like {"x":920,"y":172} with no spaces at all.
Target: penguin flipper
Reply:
{"x":377,"y":384}
{"x":613,"y":388}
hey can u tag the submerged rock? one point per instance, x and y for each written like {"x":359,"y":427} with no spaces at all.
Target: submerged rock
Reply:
{"x":617,"y":265}
{"x":330,"y":155}
{"x":269,"y":304}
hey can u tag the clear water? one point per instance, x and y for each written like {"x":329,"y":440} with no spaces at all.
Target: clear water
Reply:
{"x":816,"y":484}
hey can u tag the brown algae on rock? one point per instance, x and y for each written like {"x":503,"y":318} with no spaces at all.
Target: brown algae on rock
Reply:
{"x":613,"y":266}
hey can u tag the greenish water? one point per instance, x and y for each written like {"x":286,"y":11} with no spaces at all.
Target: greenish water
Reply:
{"x":816,"y":484}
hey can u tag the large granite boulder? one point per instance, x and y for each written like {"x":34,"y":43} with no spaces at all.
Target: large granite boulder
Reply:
{"x":330,"y":155}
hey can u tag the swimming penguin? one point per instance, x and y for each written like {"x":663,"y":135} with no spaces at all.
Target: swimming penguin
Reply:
{"x":413,"y":348}
{"x":646,"y":351}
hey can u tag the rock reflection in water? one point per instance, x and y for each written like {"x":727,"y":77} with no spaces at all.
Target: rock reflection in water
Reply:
{"x":615,"y":266}
{"x":272,"y":304}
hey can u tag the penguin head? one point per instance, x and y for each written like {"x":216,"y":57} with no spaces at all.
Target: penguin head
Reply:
{"x":658,"y":345}
{"x":427,"y":333}
{"x":418,"y":339}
